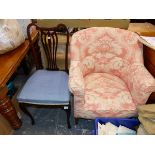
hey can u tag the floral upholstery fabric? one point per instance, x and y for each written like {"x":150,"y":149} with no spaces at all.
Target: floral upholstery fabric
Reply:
{"x":107,"y":74}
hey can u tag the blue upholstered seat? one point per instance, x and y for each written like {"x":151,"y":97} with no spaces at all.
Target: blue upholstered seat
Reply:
{"x":46,"y":88}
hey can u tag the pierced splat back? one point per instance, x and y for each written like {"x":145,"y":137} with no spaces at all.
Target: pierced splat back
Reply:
{"x":50,"y":40}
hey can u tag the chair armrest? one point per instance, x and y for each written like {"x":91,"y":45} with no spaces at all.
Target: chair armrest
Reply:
{"x":76,"y":80}
{"x":140,"y":83}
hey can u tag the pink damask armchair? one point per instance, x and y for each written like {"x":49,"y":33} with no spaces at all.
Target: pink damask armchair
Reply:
{"x":107,"y":76}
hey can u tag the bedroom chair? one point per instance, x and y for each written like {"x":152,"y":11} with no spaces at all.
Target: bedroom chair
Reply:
{"x":107,"y":76}
{"x":47,"y":86}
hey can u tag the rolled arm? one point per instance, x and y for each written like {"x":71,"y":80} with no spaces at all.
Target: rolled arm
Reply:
{"x":76,"y":80}
{"x":140,"y":83}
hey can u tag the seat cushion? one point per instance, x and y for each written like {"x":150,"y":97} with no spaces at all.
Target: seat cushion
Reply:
{"x":46,"y":87}
{"x":106,"y":95}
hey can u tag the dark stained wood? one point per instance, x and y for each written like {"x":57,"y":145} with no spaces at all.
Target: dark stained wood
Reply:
{"x":68,"y":112}
{"x":149,"y":59}
{"x":149,"y":62}
{"x":49,"y":39}
{"x":25,"y":110}
{"x":76,"y":120}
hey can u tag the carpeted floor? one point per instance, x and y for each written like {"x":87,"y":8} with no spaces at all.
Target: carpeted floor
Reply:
{"x":49,"y":121}
{"x":52,"y":122}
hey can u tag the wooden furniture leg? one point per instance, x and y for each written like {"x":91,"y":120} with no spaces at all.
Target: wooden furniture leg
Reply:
{"x":7,"y":109}
{"x":76,"y":120}
{"x":68,"y":112}
{"x":24,"y":109}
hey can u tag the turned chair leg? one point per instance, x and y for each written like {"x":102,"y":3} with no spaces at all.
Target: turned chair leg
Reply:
{"x":24,"y":109}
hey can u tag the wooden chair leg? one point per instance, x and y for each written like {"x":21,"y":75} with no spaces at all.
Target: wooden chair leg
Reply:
{"x":68,"y":112}
{"x":76,"y":120}
{"x":24,"y":109}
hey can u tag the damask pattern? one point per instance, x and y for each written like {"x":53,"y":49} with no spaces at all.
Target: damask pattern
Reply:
{"x":107,"y":74}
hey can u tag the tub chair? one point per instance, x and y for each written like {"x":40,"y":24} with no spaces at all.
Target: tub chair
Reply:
{"x":107,"y":75}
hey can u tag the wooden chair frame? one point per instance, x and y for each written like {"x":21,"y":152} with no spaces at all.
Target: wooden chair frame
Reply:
{"x":49,"y":40}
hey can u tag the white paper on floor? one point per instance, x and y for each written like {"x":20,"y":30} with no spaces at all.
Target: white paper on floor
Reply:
{"x":111,"y":129}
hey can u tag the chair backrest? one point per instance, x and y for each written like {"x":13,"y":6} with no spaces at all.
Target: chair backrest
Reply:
{"x":105,"y":49}
{"x":50,"y":40}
